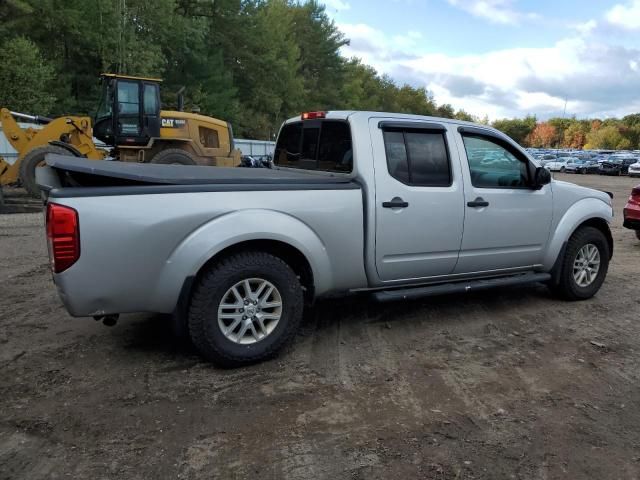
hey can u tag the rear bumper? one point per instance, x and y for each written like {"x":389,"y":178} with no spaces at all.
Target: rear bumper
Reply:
{"x":631,"y":214}
{"x":83,"y":298}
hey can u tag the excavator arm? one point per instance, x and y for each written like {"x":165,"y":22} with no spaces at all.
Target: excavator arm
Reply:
{"x":71,"y":130}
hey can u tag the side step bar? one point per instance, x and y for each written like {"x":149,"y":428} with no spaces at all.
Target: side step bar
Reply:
{"x":459,"y":287}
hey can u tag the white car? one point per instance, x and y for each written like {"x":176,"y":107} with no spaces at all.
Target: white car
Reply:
{"x":634,"y":169}
{"x":559,"y":165}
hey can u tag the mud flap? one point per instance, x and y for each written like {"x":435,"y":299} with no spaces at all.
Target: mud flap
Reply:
{"x":557,"y":266}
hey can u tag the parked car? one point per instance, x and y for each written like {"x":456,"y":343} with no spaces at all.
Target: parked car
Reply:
{"x":543,"y":159}
{"x":581,"y":166}
{"x":616,"y":166}
{"x":634,"y":169}
{"x":365,"y":202}
{"x":631,"y":212}
{"x":560,"y":165}
{"x":592,"y":166}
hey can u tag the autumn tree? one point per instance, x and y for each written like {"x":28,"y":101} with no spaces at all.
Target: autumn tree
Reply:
{"x":575,"y":136}
{"x":517,"y":128}
{"x":542,"y":136}
{"x":606,"y":138}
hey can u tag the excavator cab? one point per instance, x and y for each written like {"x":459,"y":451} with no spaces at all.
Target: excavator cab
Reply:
{"x":129,"y":110}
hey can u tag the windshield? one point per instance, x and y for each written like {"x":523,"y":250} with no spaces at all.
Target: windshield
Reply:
{"x":106,"y":100}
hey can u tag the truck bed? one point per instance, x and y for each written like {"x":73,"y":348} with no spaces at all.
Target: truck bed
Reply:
{"x":80,"y":177}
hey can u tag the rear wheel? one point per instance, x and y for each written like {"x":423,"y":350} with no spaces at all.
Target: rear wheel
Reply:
{"x":562,"y":169}
{"x":245,"y":309}
{"x":584,"y":266}
{"x":32,"y":160}
{"x":174,"y":156}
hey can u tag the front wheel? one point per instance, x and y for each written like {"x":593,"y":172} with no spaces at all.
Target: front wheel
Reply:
{"x":245,"y":309}
{"x":562,"y":169}
{"x":584,"y":266}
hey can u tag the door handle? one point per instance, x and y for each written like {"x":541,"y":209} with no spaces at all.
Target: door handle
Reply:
{"x":478,"y":202}
{"x":395,"y":202}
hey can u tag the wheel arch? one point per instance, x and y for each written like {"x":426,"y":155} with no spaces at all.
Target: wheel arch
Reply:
{"x":587,"y":212}
{"x":602,"y":225}
{"x":249,"y":230}
{"x":286,"y":252}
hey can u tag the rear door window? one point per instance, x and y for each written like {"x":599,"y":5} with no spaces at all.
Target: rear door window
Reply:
{"x":323,"y":145}
{"x":418,"y":158}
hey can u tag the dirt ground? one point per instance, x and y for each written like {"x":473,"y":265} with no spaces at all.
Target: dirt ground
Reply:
{"x":501,"y":384}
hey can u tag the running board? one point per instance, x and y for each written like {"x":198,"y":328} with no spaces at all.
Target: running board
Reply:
{"x":460,"y":287}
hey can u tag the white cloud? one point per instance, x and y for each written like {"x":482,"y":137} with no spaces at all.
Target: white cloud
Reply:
{"x":496,"y":11}
{"x":625,"y":15}
{"x":586,"y":28}
{"x":594,"y":78}
{"x":337,"y":5}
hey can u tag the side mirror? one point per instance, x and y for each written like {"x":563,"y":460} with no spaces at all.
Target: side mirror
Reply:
{"x":541,"y":178}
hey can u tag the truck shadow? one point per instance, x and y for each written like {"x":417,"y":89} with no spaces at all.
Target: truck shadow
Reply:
{"x":361,"y":308}
{"x":155,"y":334}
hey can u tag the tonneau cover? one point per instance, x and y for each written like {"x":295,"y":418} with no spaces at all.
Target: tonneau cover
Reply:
{"x":188,"y":174}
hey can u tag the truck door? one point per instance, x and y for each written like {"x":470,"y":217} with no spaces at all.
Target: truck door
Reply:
{"x":507,"y":222}
{"x":151,"y":109}
{"x":419,"y":199}
{"x":128,"y":119}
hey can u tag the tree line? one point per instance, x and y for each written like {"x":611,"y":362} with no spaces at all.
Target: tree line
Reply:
{"x":251,"y":62}
{"x":571,"y":133}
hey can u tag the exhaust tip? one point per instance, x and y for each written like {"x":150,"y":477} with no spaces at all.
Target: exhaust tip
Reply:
{"x":107,"y":320}
{"x":110,"y":320}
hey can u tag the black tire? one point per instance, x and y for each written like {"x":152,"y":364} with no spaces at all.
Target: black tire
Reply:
{"x":210,"y":291}
{"x":32,"y":160}
{"x":562,"y":169}
{"x":583,"y":171}
{"x":174,"y":156}
{"x":567,"y":287}
{"x":638,"y":234}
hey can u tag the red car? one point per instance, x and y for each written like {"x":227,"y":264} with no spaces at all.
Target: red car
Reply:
{"x":632,"y":211}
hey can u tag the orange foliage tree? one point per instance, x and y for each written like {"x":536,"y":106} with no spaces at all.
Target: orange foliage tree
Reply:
{"x":543,"y":136}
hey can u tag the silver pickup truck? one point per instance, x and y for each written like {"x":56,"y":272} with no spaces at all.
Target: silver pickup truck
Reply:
{"x":399,"y":206}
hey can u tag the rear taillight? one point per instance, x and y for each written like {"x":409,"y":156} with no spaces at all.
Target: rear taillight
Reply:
{"x":63,"y":235}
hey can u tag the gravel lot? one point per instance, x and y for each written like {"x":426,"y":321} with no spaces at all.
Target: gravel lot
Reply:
{"x":500,"y":384}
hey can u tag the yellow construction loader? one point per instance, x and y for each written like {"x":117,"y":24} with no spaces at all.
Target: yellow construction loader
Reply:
{"x":132,"y":127}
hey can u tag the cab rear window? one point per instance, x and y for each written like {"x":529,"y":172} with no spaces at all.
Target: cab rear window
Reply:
{"x":323,"y":145}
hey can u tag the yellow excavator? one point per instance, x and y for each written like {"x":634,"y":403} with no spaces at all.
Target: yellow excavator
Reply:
{"x":130,"y":124}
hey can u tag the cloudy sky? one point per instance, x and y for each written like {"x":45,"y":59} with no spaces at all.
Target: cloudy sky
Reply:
{"x":504,"y":58}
